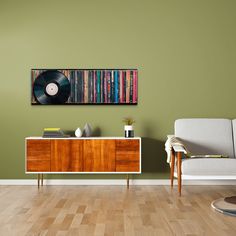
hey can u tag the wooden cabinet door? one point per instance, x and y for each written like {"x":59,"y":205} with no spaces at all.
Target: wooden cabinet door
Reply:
{"x":66,"y":155}
{"x":38,"y":154}
{"x":99,"y":155}
{"x":127,"y":155}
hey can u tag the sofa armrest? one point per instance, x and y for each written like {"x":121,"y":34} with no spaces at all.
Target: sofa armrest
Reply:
{"x":176,"y":147}
{"x":179,"y":148}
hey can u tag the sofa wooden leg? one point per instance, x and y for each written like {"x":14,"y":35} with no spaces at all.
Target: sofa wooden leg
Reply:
{"x":179,"y":172}
{"x":172,"y":168}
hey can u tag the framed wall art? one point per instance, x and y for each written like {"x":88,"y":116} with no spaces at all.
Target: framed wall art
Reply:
{"x":84,"y":86}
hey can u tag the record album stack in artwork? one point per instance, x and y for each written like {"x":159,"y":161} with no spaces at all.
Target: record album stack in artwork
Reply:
{"x":84,"y":86}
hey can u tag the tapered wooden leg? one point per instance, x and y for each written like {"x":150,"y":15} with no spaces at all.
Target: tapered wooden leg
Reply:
{"x":38,"y":180}
{"x":41,"y":179}
{"x":127,"y":178}
{"x":172,"y":168}
{"x":179,"y":172}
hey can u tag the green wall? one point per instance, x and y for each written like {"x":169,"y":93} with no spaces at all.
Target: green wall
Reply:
{"x":185,"y":52}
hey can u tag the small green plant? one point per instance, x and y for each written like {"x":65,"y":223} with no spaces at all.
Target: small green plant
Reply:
{"x":128,"y":121}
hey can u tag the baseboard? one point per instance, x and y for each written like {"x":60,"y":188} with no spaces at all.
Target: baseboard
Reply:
{"x":113,"y":182}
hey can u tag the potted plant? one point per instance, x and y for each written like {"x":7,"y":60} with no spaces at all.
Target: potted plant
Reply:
{"x":129,"y":131}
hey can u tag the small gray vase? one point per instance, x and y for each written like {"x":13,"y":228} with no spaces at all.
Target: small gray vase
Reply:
{"x":87,"y":131}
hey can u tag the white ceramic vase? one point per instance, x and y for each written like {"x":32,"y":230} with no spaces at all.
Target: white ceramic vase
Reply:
{"x":78,"y":133}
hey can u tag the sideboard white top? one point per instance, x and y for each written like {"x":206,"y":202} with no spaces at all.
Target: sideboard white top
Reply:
{"x":83,"y":138}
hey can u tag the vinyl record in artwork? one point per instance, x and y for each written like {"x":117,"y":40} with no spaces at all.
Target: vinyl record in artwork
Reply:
{"x":51,"y":87}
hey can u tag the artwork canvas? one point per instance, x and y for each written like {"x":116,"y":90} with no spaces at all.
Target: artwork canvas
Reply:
{"x":84,"y":86}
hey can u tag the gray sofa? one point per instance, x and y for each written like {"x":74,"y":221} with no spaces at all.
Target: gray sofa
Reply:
{"x":204,"y":137}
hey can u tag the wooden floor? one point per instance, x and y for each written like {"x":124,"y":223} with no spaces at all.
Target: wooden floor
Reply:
{"x":113,"y":210}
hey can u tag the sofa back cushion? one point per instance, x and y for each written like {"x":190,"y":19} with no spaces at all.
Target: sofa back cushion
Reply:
{"x":206,"y":136}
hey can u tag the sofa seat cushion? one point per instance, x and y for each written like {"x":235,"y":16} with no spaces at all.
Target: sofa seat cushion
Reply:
{"x":209,"y":166}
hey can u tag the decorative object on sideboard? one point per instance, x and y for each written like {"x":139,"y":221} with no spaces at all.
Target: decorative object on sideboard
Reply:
{"x":53,"y":133}
{"x":87,"y":131}
{"x":84,"y":86}
{"x":78,"y":133}
{"x":129,"y":131}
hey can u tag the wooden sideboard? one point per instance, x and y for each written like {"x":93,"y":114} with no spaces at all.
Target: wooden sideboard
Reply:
{"x":82,"y":155}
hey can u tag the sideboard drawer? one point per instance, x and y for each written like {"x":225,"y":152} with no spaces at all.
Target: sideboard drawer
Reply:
{"x":38,"y":149}
{"x":127,"y":145}
{"x":127,"y":166}
{"x":38,"y":165}
{"x":127,"y":156}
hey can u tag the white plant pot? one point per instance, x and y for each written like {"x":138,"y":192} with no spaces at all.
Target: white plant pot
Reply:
{"x":129,"y":131}
{"x":128,"y":127}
